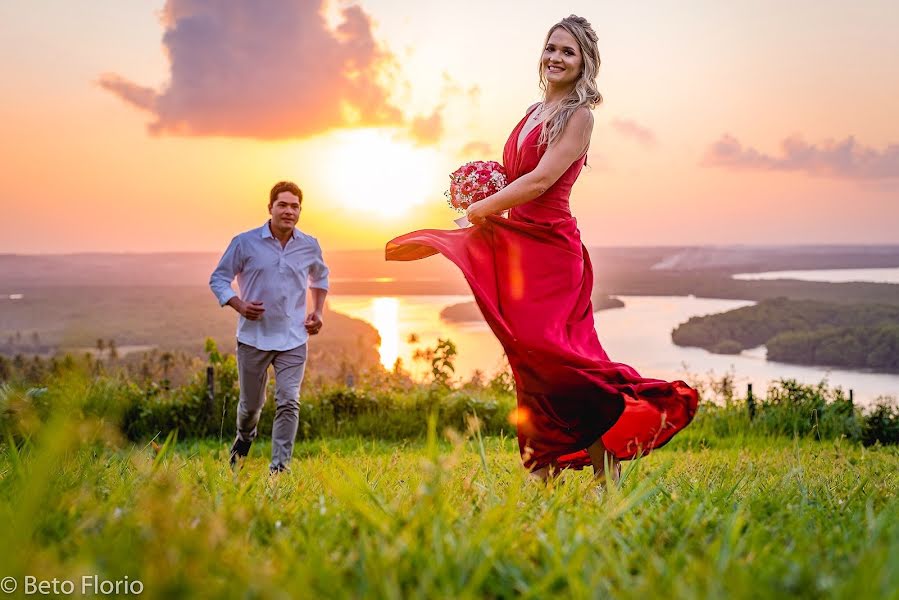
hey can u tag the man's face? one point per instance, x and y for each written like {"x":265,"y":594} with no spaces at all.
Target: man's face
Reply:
{"x":285,"y":210}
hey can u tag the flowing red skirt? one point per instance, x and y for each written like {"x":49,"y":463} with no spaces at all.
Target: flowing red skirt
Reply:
{"x":533,"y":283}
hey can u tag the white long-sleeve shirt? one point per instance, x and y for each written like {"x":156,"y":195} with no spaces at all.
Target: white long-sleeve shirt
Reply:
{"x":276,"y":276}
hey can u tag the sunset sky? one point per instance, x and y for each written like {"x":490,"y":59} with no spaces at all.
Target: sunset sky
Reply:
{"x":160,"y":126}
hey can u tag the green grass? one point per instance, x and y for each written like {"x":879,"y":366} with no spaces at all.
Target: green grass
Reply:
{"x":746,"y":517}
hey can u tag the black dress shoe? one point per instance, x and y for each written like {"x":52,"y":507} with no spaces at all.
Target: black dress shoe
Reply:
{"x":278,"y":468}
{"x":239,"y":449}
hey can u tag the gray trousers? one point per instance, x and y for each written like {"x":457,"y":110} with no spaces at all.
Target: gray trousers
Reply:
{"x":252,"y":370}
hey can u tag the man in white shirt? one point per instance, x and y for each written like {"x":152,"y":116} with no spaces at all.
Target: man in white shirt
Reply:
{"x":274,"y":264}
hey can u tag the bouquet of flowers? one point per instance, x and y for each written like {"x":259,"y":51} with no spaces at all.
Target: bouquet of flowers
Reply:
{"x":473,"y":182}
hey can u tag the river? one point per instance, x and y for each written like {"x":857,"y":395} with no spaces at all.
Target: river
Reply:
{"x":638,"y":334}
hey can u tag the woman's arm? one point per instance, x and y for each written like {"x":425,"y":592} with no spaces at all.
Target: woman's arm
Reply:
{"x":555,"y":161}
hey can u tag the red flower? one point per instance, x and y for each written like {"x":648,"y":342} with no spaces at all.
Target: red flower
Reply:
{"x":475,"y":181}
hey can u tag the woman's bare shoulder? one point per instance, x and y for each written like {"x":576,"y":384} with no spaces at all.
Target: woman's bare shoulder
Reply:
{"x":583,"y":116}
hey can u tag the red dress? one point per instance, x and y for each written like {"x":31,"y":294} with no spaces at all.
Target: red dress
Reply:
{"x":532,"y":279}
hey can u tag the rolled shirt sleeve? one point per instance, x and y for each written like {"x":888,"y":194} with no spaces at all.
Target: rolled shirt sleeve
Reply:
{"x":223,"y":276}
{"x":318,"y":271}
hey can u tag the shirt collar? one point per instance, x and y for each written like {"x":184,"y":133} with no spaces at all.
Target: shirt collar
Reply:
{"x":266,"y":231}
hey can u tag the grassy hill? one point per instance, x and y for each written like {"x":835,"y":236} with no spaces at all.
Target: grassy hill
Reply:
{"x":748,"y":518}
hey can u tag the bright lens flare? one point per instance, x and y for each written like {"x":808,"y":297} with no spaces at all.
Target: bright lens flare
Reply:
{"x":518,"y":416}
{"x":373,"y":172}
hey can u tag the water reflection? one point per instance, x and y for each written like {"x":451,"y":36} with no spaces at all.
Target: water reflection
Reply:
{"x":410,"y":323}
{"x":386,"y":319}
{"x":880,"y":275}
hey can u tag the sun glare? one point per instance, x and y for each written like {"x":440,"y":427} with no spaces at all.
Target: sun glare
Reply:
{"x":370,"y":171}
{"x":386,"y":321}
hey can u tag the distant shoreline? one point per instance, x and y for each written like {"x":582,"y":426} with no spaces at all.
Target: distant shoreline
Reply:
{"x":467,"y":312}
{"x":704,"y":272}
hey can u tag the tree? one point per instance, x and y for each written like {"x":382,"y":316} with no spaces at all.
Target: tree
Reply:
{"x":166,"y":359}
{"x":145,"y":372}
{"x":441,"y":359}
{"x":398,"y":367}
{"x":36,"y":371}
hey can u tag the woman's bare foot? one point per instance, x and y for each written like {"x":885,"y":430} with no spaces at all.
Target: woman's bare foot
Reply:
{"x":603,"y":461}
{"x":543,"y":474}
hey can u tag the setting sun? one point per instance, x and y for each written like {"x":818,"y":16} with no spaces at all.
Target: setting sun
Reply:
{"x":372,"y":171}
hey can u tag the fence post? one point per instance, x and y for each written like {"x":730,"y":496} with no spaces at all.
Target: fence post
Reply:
{"x":750,"y":401}
{"x":210,"y":390}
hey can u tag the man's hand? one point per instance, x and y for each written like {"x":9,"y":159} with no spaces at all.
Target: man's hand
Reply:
{"x":313,"y":322}
{"x":253,"y":310}
{"x":249,"y":310}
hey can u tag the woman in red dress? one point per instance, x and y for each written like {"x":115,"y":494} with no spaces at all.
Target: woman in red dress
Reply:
{"x":532,"y":279}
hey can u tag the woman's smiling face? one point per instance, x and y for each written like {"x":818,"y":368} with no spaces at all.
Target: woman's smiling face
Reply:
{"x":562,"y":60}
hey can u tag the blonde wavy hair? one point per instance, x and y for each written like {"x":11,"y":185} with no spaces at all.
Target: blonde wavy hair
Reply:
{"x":585,"y":92}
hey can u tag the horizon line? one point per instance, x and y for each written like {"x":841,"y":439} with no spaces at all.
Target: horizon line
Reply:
{"x":883,"y":245}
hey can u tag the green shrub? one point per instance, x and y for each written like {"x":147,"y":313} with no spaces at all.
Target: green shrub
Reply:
{"x":394,"y":408}
{"x":881,"y":424}
{"x":792,"y":409}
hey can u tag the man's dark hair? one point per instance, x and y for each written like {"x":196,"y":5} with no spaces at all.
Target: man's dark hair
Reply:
{"x":285,"y":186}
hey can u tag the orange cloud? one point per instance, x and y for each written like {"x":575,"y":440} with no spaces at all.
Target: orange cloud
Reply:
{"x":476,"y":148}
{"x":635,"y":131}
{"x":241,"y":70}
{"x":846,"y":159}
{"x":428,"y":130}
